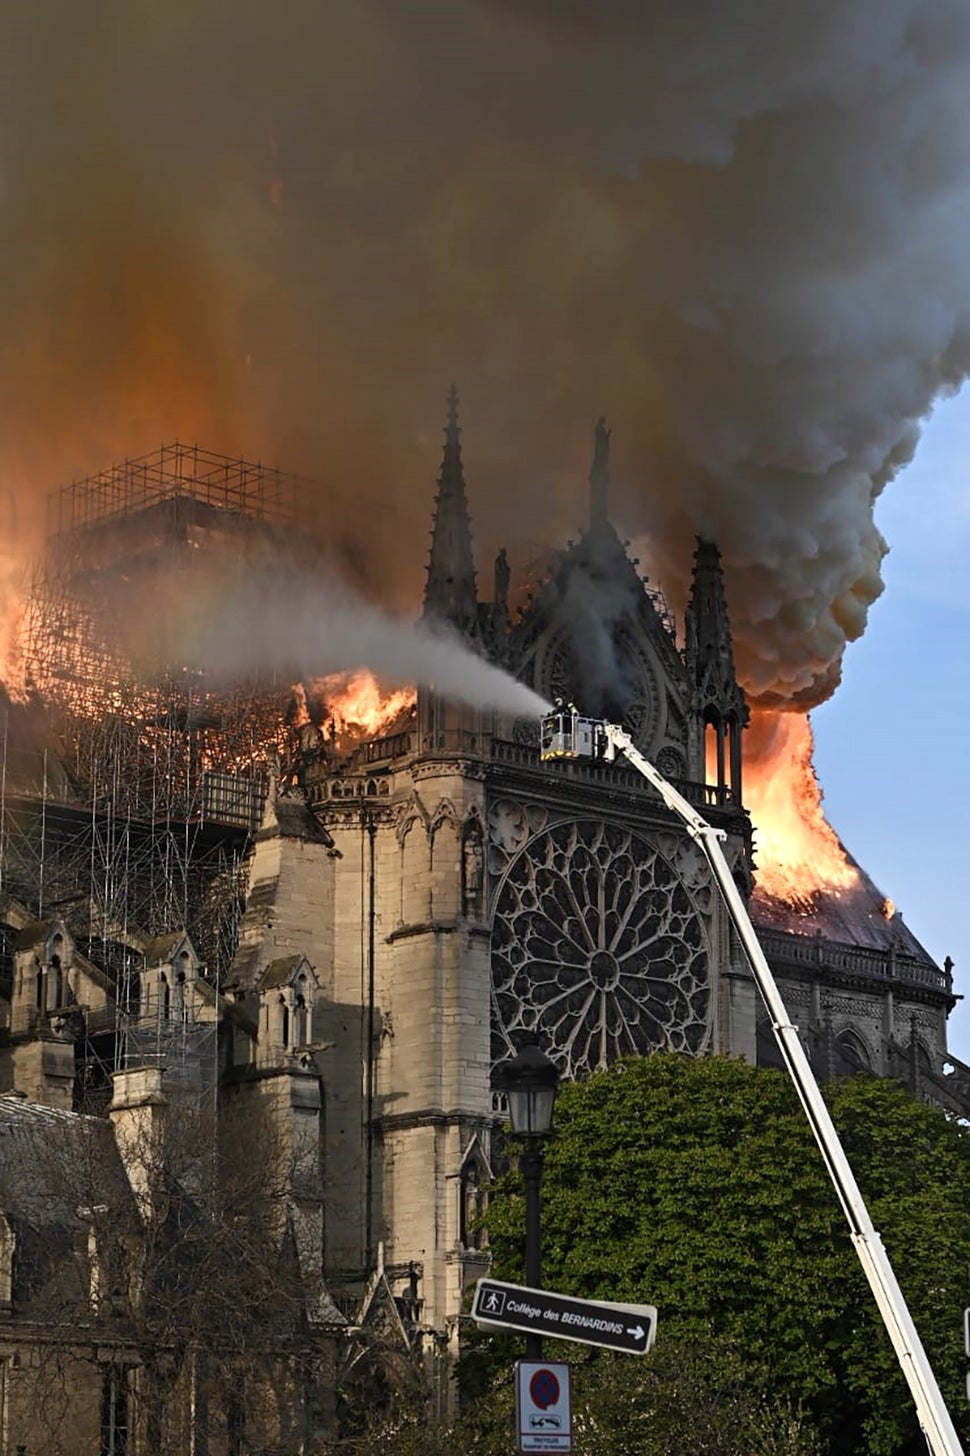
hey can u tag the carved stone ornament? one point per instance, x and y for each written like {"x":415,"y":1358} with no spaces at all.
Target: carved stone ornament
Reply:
{"x":508,"y":826}
{"x":598,"y":946}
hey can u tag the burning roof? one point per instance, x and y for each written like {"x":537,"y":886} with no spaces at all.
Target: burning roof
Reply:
{"x":858,"y":914}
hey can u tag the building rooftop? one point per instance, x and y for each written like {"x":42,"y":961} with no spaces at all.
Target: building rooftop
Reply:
{"x":860,"y":915}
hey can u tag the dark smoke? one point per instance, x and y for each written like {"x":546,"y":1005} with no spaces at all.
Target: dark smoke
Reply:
{"x":739,"y":230}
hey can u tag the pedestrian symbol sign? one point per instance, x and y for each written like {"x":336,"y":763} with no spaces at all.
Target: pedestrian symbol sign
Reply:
{"x":493,"y":1302}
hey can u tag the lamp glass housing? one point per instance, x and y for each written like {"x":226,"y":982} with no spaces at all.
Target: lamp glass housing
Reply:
{"x":530,"y":1081}
{"x":530,"y":1110}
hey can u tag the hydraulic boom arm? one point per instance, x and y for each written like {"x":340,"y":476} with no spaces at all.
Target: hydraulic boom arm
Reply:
{"x":566,"y":735}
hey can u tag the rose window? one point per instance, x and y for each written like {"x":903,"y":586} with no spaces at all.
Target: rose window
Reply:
{"x":597,"y":945}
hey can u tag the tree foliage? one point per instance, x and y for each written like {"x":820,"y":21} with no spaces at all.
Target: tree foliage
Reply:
{"x":695,"y":1185}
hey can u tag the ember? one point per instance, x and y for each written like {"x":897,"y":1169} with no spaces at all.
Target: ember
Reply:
{"x":798,"y":852}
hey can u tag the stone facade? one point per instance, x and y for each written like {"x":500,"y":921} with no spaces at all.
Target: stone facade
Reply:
{"x":415,"y":905}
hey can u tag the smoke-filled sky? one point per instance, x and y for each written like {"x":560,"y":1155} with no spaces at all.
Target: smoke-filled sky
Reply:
{"x":738,"y":230}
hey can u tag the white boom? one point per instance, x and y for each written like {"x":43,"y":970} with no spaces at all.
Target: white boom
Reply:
{"x":566,"y":735}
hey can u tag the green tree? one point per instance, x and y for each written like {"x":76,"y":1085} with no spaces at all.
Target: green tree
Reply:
{"x":685,"y":1400}
{"x":695,"y":1185}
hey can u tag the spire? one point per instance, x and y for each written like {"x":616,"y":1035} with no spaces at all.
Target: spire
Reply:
{"x":708,"y":630}
{"x":450,"y":594}
{"x":599,"y":475}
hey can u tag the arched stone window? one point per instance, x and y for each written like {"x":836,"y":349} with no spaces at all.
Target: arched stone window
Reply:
{"x":852,"y":1054}
{"x":7,"y":1244}
{"x":300,"y":1026}
{"x":55,"y":983}
{"x":287,"y":991}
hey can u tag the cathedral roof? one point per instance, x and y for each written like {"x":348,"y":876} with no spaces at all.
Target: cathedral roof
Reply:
{"x":281,"y":971}
{"x":54,"y":1164}
{"x":860,"y":916}
{"x":35,"y":933}
{"x":288,"y":816}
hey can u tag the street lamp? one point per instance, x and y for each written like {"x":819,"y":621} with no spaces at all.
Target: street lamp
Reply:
{"x":530,"y":1081}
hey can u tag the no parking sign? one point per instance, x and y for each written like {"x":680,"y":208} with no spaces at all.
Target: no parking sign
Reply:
{"x":543,"y":1411}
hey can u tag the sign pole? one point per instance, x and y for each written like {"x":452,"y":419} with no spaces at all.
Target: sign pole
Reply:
{"x":531,"y":1164}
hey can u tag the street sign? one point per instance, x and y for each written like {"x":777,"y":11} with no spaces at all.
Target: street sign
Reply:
{"x":627,"y":1327}
{"x":543,"y":1410}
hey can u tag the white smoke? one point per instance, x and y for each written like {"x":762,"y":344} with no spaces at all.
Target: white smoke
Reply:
{"x":318,"y":627}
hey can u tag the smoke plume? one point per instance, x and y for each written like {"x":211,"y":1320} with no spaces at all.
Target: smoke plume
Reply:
{"x":321,"y":627}
{"x":740,"y":231}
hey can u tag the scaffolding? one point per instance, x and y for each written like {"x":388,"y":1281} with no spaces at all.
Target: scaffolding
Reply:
{"x":172,"y":473}
{"x":128,"y":802}
{"x":159,"y":741}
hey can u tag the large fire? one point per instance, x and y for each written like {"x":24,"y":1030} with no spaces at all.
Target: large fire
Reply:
{"x":358,"y":704}
{"x":351,"y":704}
{"x":798,"y":852}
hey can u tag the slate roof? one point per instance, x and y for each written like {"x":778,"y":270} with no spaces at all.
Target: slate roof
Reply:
{"x":158,"y":951}
{"x":852,"y":917}
{"x":34,"y":933}
{"x":53,"y":1163}
{"x":295,"y":821}
{"x":280,"y":972}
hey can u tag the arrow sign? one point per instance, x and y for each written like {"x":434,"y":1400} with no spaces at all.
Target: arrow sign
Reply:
{"x":627,"y":1327}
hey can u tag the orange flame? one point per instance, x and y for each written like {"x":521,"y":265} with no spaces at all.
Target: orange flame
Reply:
{"x":357,"y":705}
{"x":798,"y":852}
{"x":13,"y":604}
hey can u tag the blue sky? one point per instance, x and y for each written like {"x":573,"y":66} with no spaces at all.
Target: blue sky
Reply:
{"x":892,"y":744}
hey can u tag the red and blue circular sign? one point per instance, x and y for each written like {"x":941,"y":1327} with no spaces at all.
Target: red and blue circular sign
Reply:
{"x":544,"y":1389}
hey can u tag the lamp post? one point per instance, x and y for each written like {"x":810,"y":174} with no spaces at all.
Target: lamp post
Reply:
{"x":530,"y":1081}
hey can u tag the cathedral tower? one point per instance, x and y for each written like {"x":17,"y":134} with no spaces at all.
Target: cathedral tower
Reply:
{"x":717,"y":697}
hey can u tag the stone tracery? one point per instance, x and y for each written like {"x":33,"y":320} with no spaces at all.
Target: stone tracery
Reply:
{"x":598,"y":946}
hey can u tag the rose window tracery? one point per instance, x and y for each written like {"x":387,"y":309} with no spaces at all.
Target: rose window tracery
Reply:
{"x":598,"y":945}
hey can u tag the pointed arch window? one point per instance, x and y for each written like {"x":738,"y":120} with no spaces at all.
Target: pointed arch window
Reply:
{"x":852,"y":1053}
{"x":55,"y":983}
{"x":300,"y":1030}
